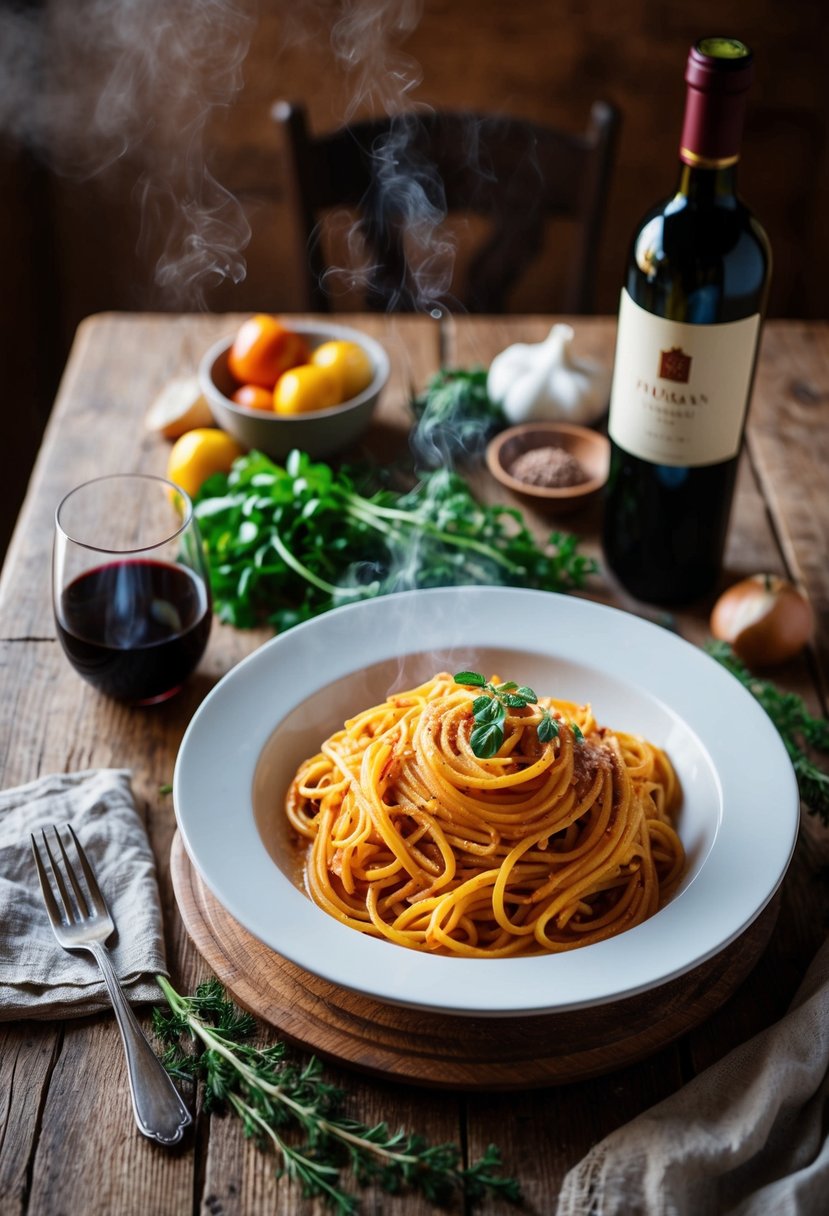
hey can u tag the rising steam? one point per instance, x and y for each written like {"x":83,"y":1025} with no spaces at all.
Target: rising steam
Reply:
{"x":366,"y":40}
{"x":87,"y":84}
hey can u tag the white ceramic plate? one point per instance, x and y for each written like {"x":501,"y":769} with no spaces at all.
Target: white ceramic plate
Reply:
{"x":738,"y":821}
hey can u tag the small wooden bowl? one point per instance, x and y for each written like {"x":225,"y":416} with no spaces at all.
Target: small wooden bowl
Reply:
{"x":591,"y":449}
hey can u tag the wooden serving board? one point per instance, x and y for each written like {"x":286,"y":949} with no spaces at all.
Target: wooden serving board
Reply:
{"x":445,"y":1051}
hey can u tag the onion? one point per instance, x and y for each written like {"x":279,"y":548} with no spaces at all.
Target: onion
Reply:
{"x":765,"y":619}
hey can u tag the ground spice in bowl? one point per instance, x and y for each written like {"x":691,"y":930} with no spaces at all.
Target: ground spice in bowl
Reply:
{"x":549,"y":466}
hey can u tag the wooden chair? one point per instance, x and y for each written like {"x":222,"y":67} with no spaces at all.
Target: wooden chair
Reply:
{"x":403,"y":176}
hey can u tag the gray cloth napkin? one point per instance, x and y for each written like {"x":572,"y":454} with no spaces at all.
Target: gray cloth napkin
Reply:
{"x":39,"y":979}
{"x":747,"y":1137}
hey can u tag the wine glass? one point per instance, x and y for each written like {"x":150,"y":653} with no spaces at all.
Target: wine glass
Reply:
{"x":130,"y":587}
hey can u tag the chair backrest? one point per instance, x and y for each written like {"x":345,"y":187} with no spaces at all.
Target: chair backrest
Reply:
{"x":402,"y":176}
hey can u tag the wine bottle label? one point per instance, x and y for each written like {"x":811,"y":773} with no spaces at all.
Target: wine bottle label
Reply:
{"x":680,"y":392}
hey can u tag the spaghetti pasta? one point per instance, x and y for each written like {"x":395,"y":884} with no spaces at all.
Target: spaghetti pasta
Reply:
{"x":544,"y":847}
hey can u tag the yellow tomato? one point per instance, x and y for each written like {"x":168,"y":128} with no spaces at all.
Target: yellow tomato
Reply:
{"x":198,"y":455}
{"x":305,"y":389}
{"x":349,"y":362}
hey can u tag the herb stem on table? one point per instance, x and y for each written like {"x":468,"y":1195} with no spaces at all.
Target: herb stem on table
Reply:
{"x":314,"y":579}
{"x":373,"y":515}
{"x":270,"y":1094}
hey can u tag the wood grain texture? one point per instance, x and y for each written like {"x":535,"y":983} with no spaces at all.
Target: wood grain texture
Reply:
{"x":67,"y":1142}
{"x":789,"y":445}
{"x":27,"y":1056}
{"x":87,"y":1119}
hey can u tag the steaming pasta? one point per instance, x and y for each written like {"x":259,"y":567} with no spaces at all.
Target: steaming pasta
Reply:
{"x":544,"y":847}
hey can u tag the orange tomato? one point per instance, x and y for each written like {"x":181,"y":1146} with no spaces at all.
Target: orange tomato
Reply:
{"x":263,"y":349}
{"x":305,"y":389}
{"x":253,"y":397}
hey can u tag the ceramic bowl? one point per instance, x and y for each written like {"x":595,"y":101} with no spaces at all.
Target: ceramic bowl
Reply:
{"x":319,"y":433}
{"x":589,"y":447}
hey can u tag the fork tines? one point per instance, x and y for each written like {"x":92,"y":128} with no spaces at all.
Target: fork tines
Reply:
{"x":81,"y":904}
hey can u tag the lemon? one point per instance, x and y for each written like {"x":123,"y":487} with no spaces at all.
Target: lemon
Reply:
{"x":349,"y":362}
{"x":199,"y":454}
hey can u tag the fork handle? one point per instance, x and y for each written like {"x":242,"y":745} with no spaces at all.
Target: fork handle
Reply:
{"x":159,"y":1109}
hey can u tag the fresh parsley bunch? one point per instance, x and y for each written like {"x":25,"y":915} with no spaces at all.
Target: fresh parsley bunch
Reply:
{"x":287,"y":543}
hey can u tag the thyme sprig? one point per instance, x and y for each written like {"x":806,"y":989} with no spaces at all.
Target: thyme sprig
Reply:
{"x":274,"y":1097}
{"x":797,"y":727}
{"x":490,"y":707}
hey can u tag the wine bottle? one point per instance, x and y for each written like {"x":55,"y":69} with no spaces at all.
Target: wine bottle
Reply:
{"x":689,"y":326}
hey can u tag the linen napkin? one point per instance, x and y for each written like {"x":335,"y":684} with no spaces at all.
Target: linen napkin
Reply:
{"x":747,"y":1137}
{"x":38,"y":978}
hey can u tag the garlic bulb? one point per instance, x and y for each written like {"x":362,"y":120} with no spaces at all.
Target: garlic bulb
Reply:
{"x":179,"y":407}
{"x":542,"y":380}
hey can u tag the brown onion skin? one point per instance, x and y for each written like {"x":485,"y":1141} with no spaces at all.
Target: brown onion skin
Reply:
{"x":765,"y":618}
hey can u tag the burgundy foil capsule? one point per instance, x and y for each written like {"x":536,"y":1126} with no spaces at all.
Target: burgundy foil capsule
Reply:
{"x":718,"y":74}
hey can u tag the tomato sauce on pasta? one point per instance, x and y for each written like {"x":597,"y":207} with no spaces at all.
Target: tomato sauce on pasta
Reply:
{"x":544,"y":847}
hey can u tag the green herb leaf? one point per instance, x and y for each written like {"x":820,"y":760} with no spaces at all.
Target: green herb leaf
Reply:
{"x":528,"y":694}
{"x":799,"y":729}
{"x":489,"y":711}
{"x":486,"y":738}
{"x":470,"y":677}
{"x":548,"y":727}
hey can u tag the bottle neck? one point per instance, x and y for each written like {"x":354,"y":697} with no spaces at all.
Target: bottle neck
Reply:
{"x":715,"y":186}
{"x":712,"y":125}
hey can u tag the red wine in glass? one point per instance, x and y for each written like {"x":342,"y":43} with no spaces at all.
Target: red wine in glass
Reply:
{"x":130,"y":586}
{"x":142,"y":654}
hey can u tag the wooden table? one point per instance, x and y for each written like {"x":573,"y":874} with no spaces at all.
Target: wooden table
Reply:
{"x":68,"y":1142}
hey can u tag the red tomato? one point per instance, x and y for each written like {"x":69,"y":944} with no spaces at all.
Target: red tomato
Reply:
{"x":263,"y":349}
{"x":253,"y":397}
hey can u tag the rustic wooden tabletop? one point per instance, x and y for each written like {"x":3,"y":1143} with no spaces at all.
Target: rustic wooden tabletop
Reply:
{"x":68,"y":1143}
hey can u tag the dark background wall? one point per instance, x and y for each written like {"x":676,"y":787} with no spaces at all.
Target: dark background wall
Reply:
{"x":141,"y":170}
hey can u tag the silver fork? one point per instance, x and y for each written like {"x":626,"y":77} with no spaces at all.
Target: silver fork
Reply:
{"x":83,"y":922}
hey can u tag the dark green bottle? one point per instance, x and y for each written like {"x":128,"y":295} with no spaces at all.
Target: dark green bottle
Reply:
{"x":689,"y":327}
